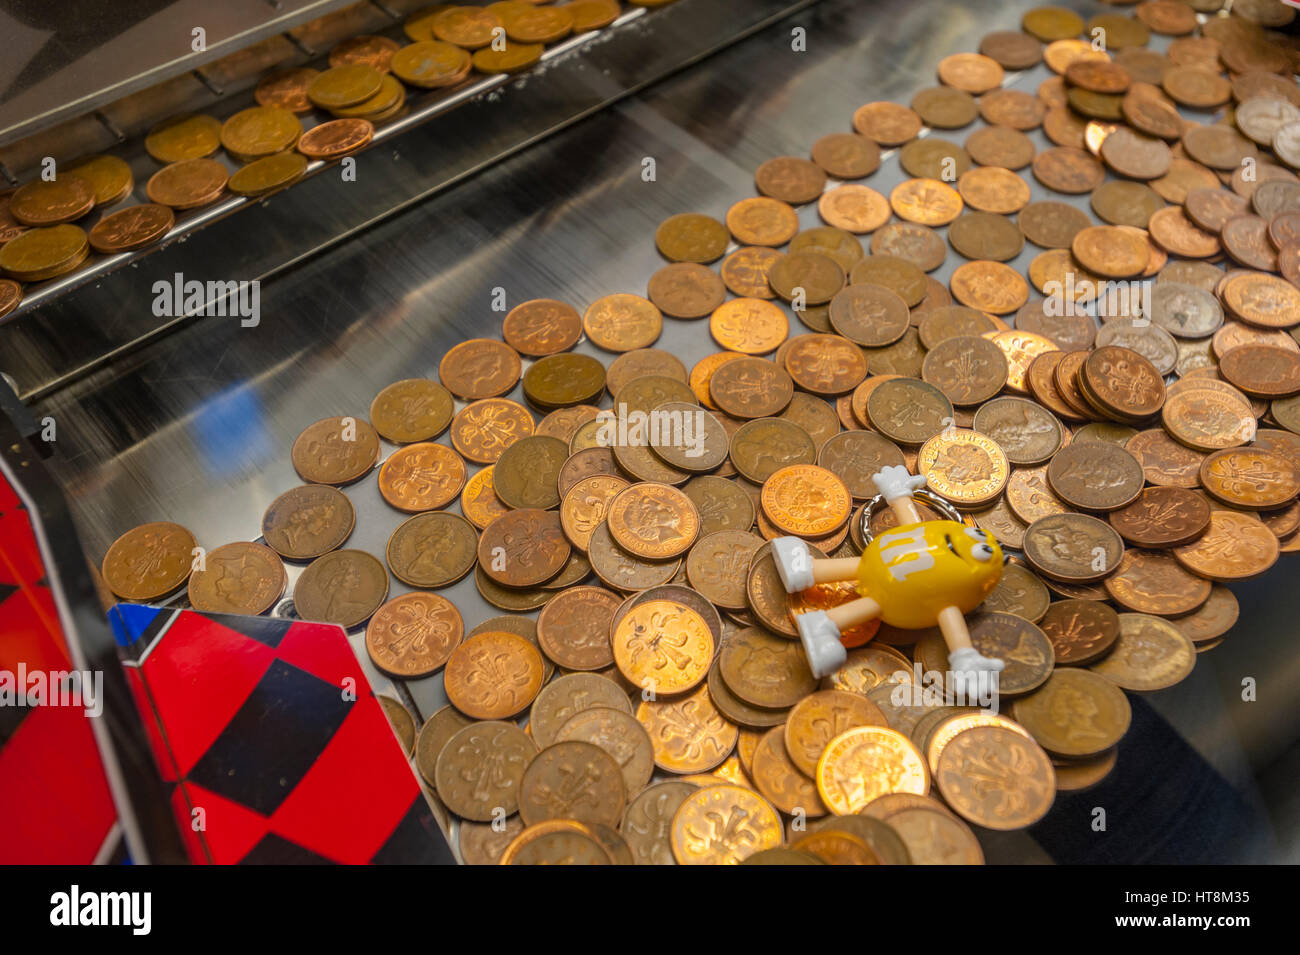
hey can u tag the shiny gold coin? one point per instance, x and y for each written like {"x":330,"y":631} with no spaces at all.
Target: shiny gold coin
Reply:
{"x":806,"y":500}
{"x":1150,"y":654}
{"x":663,"y":646}
{"x":688,"y":733}
{"x":965,"y":467}
{"x":865,"y":762}
{"x":184,"y":137}
{"x":268,"y":174}
{"x":557,"y":842}
{"x":40,"y":254}
{"x":260,"y":131}
{"x":109,"y":177}
{"x":723,"y":825}
{"x":515,"y":58}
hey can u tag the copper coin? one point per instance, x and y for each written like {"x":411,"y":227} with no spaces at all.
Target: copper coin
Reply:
{"x":622,"y":322}
{"x":1027,"y":432}
{"x":241,"y":578}
{"x":1095,"y":477}
{"x":1262,"y":371}
{"x":1123,"y":382}
{"x":1151,"y":654}
{"x":744,"y":273}
{"x":761,"y":220}
{"x":1208,"y":418}
{"x":414,"y":409}
{"x":984,"y":235}
{"x":1080,"y":631}
{"x":492,"y":675}
{"x":846,"y":155}
{"x":432,"y":549}
{"x":909,"y":411}
{"x":1012,"y":111}
{"x":825,"y":364}
{"x":790,"y":179}
{"x":523,"y":548}
{"x":1235,"y":546}
{"x":1162,"y":517}
{"x":918,"y":244}
{"x":1213,"y":618}
{"x":1051,"y":225}
{"x":993,"y":189}
{"x":149,"y":561}
{"x":286,"y":89}
{"x":483,"y":430}
{"x":853,"y":208}
{"x":889,"y":124}
{"x":45,"y":203}
{"x":187,"y":184}
{"x":751,"y":388}
{"x":926,"y":202}
{"x":934,"y":158}
{"x":413,"y":635}
{"x":574,"y":628}
{"x":421,"y":477}
{"x":1074,"y":548}
{"x":989,"y":287}
{"x":131,"y":228}
{"x":653,"y":521}
{"x":335,"y":451}
{"x":968,"y":370}
{"x":541,"y":326}
{"x":1251,"y":478}
{"x":1151,"y":581}
{"x":943,"y":107}
{"x":343,"y":587}
{"x":479,"y":368}
{"x":305,"y":522}
{"x":1068,"y":170}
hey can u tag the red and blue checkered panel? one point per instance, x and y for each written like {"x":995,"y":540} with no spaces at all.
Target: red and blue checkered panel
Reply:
{"x":55,"y":805}
{"x":278,"y":748}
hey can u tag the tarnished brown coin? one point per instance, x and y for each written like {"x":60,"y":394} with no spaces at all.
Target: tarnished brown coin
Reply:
{"x":414,"y":409}
{"x":764,"y":669}
{"x":888,"y":124}
{"x":572,"y":780}
{"x":1017,"y":642}
{"x":616,"y":731}
{"x":752,"y":388}
{"x":1080,"y":631}
{"x":969,"y":370}
{"x":343,"y":587}
{"x":243,"y":578}
{"x":1077,"y":714}
{"x":908,"y":410}
{"x":573,"y":628}
{"x":523,"y":548}
{"x":691,"y":237}
{"x":790,"y":179}
{"x":1162,"y":517}
{"x":1095,"y":477}
{"x":305,"y":522}
{"x":412,"y":636}
{"x":433,"y":549}
{"x":1151,"y":581}
{"x":1213,"y":618}
{"x":853,"y":456}
{"x":1151,"y":654}
{"x":1027,"y":432}
{"x":1073,"y":548}
{"x":718,"y":566}
{"x":480,"y":767}
{"x":149,"y":561}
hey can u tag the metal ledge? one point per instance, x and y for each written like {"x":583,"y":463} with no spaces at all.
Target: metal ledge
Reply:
{"x":75,"y":325}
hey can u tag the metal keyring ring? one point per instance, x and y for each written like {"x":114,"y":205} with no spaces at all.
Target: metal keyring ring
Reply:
{"x":924,"y":495}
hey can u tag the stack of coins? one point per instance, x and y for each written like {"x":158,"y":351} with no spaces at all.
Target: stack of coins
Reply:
{"x":1136,"y":447}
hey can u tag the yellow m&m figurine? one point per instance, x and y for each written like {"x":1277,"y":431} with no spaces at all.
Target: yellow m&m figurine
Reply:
{"x":916,"y":575}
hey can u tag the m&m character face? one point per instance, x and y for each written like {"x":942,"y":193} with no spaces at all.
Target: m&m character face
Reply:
{"x":916,"y":570}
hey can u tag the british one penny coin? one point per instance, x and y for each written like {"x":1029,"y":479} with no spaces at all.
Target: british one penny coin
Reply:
{"x":943,"y":107}
{"x":853,"y":208}
{"x":790,"y":179}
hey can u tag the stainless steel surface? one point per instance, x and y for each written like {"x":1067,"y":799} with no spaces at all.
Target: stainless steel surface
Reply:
{"x":65,"y":59}
{"x":196,"y":427}
{"x":111,"y":311}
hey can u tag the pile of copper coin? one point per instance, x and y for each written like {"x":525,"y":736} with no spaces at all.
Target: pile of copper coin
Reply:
{"x":1132,"y":437}
{"x":363,"y":87}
